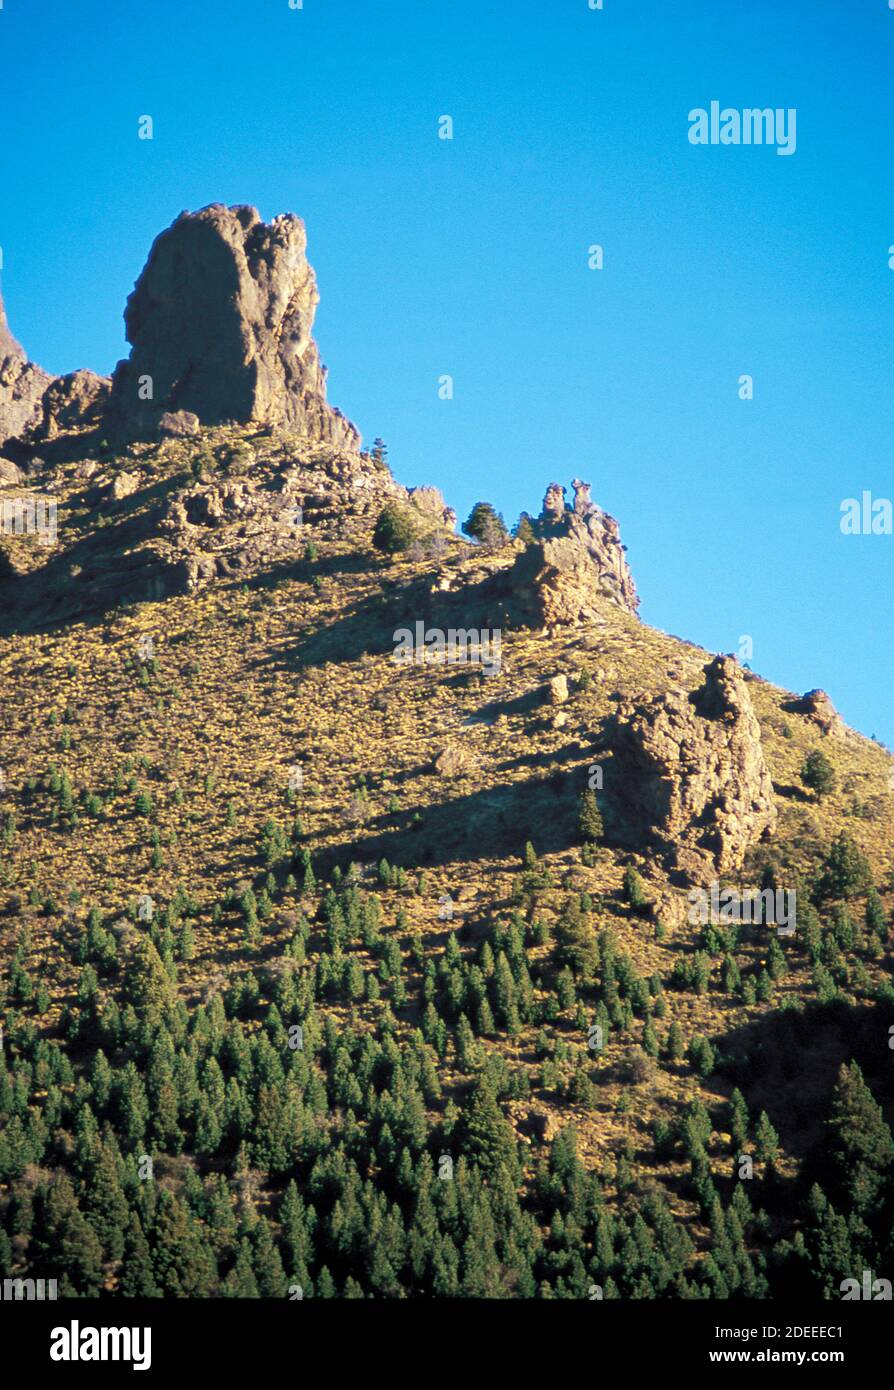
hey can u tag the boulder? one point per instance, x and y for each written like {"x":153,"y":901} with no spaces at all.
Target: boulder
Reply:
{"x":10,"y":473}
{"x":450,"y":762}
{"x":123,"y":485}
{"x":178,"y":424}
{"x":557,"y":690}
{"x":75,"y":401}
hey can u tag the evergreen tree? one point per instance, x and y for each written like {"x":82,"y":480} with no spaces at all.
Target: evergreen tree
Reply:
{"x":486,"y":1134}
{"x":589,"y":818}
{"x":635,"y":889}
{"x":575,"y":941}
{"x":876,"y":918}
{"x":676,"y":1044}
{"x":485,"y":525}
{"x":846,"y":869}
{"x":738,"y":1119}
{"x":858,"y":1150}
{"x":766,"y":1140}
{"x":818,"y":773}
{"x":702,"y":1056}
{"x":147,"y":983}
{"x":107,"y":1205}
{"x":183,"y":1261}
{"x":136,"y":1279}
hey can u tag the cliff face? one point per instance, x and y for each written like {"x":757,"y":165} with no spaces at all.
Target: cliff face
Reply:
{"x":22,"y":385}
{"x":220,"y":322}
{"x":689,"y":772}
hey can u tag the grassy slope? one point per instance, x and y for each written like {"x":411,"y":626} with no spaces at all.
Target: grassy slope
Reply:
{"x":294,"y":668}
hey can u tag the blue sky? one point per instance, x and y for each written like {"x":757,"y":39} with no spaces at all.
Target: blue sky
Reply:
{"x":469,"y":257}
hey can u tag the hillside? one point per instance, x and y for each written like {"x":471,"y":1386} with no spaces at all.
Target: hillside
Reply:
{"x":312,"y":978}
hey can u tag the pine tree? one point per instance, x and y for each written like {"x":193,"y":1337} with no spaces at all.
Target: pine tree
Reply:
{"x":487,"y":1136}
{"x":876,"y":917}
{"x":78,"y":1253}
{"x":485,"y":525}
{"x":702,"y":1056}
{"x":676,"y":1044}
{"x":766,"y":1140}
{"x":241,"y":1281}
{"x":575,"y":941}
{"x":395,"y":529}
{"x":738,"y":1119}
{"x":183,"y":1262}
{"x":589,"y":818}
{"x":136,"y":1279}
{"x":635,"y":889}
{"x":859,"y":1148}
{"x":268,"y":1269}
{"x":818,"y":773}
{"x":846,"y":869}
{"x":107,"y":1205}
{"x":147,"y":984}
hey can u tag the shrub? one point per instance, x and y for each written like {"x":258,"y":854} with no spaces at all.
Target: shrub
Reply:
{"x":395,"y":529}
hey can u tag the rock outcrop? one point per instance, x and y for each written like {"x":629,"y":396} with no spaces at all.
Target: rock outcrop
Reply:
{"x":817,"y":706}
{"x":574,"y":564}
{"x":22,"y":385}
{"x":220,"y":324}
{"x":688,"y":774}
{"x":75,"y":401}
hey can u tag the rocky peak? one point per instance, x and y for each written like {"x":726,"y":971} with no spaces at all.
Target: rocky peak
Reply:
{"x":582,"y":504}
{"x":220,"y":325}
{"x":22,"y":385}
{"x":688,"y":773}
{"x":575,"y":562}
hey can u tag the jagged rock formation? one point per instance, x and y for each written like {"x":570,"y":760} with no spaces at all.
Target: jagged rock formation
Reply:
{"x":22,"y":385}
{"x":688,"y":773}
{"x":574,"y":564}
{"x":220,"y":324}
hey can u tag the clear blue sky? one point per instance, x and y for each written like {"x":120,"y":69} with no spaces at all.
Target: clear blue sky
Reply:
{"x":470,"y":258}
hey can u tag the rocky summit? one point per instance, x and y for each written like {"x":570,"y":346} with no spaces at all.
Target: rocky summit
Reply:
{"x":347,"y":864}
{"x":220,"y":325}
